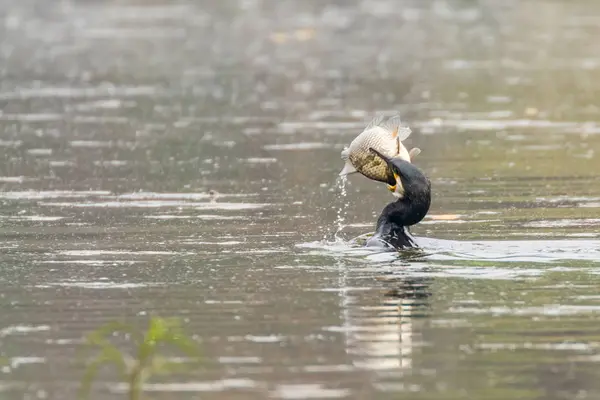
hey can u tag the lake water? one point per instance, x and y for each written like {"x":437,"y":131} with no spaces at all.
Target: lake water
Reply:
{"x":180,"y":159}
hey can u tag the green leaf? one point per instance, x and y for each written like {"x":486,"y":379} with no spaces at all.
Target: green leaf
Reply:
{"x":108,"y":355}
{"x":136,"y":371}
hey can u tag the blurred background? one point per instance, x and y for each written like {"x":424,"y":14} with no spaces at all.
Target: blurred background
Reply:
{"x":180,"y":158}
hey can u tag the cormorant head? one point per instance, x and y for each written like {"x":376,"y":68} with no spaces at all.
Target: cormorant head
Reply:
{"x":411,"y":186}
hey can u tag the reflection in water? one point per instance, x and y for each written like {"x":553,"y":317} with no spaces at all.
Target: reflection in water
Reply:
{"x":384,"y":336}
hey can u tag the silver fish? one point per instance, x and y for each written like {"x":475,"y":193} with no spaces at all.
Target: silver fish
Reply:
{"x":384,"y":136}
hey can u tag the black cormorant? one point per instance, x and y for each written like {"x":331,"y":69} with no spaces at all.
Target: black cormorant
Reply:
{"x":413,"y":188}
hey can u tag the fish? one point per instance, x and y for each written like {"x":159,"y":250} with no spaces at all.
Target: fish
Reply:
{"x":384,"y":136}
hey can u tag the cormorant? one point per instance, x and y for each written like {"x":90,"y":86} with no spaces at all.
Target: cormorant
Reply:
{"x":413,"y":190}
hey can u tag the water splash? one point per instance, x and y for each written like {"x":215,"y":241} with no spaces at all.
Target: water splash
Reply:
{"x":342,"y":209}
{"x":341,"y":213}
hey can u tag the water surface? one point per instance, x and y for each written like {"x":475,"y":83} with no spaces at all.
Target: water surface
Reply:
{"x":180,"y":159}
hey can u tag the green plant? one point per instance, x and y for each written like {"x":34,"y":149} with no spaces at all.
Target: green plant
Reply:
{"x":146,"y":362}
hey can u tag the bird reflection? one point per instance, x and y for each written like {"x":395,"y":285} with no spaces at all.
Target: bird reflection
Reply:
{"x":384,"y":335}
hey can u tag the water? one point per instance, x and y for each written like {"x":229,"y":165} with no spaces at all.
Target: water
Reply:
{"x":180,"y":159}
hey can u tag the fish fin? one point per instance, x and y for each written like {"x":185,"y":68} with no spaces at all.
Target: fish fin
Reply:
{"x":348,"y":169}
{"x":345,"y":154}
{"x":374,"y":122}
{"x":404,"y":132}
{"x":394,"y":125}
{"x":415,"y":151}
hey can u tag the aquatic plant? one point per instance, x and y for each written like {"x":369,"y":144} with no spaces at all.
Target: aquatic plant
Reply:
{"x":134,"y":370}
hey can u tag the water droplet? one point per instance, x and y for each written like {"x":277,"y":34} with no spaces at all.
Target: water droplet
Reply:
{"x":342,"y":209}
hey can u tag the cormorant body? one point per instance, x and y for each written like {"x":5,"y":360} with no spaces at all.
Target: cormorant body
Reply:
{"x":414,"y":191}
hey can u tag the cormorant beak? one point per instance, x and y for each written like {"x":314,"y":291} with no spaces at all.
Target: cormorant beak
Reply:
{"x":394,"y":181}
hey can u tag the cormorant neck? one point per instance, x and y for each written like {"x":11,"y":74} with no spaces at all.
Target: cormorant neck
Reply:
{"x":412,"y":207}
{"x":409,"y":210}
